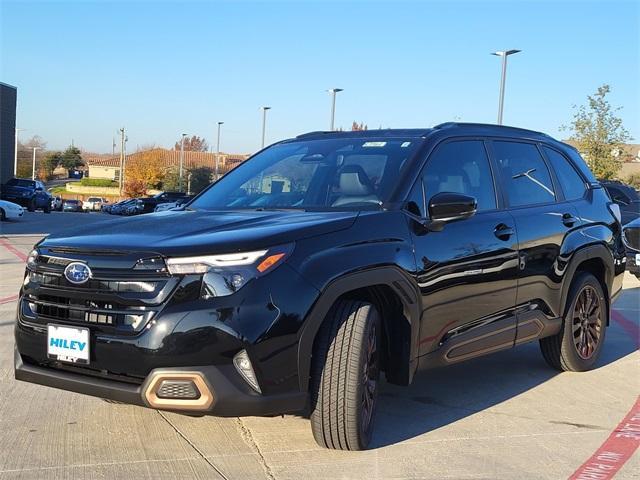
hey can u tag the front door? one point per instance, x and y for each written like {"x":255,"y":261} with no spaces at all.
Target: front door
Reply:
{"x":467,"y":271}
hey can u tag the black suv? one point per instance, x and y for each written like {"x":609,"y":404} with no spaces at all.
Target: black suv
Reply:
{"x":321,"y":262}
{"x":626,"y":197}
{"x":28,"y":193}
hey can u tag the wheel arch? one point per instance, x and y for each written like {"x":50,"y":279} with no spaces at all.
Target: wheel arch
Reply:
{"x":594,"y":259}
{"x":389,"y":289}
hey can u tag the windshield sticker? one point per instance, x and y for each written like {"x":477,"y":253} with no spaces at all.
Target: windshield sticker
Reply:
{"x":374,"y":144}
{"x":405,"y":144}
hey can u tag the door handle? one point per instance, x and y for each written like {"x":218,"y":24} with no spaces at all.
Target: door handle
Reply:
{"x":503,"y":232}
{"x":569,"y":220}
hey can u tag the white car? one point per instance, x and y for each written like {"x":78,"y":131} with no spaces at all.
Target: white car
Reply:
{"x":93,"y":204}
{"x":10,"y":210}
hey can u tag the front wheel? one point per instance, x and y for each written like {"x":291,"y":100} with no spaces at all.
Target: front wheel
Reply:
{"x":47,"y":208}
{"x":578,"y":345}
{"x":31,"y":206}
{"x":345,"y":376}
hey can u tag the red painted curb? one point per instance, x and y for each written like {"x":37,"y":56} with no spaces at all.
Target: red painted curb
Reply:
{"x":615,"y":450}
{"x":11,"y":298}
{"x":631,"y":327}
{"x":13,"y":250}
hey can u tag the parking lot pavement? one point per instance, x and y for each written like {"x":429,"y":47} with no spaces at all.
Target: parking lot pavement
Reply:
{"x":504,"y":416}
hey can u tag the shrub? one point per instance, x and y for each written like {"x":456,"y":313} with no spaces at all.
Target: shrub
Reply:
{"x":633,"y":180}
{"x":98,"y":182}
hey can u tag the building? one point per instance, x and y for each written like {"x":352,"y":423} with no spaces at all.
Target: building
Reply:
{"x":108,"y":166}
{"x":8,"y":100}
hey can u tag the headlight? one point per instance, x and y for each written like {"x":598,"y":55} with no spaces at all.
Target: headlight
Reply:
{"x":226,"y":274}
{"x":32,"y":259}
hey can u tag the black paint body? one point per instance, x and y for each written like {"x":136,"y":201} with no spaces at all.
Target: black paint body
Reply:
{"x":466,"y":288}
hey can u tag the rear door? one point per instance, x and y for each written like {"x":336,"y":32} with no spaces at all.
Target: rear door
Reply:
{"x":543,"y":219}
{"x":467,"y":272}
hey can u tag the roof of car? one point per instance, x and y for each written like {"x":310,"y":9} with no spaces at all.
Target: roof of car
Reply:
{"x":460,"y":127}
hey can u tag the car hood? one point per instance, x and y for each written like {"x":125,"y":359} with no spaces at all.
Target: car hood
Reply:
{"x":190,"y":232}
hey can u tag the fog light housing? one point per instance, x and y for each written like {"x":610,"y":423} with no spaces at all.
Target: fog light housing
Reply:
{"x":243,"y":365}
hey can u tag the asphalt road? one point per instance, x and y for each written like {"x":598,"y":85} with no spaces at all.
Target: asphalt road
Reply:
{"x":505,"y":416}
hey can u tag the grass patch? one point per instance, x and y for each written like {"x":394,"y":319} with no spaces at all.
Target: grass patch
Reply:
{"x":98,"y":182}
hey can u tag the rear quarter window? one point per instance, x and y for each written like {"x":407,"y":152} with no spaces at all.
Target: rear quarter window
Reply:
{"x":572,"y":184}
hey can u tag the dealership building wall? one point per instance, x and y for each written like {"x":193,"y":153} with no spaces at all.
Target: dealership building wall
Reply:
{"x":8,"y":95}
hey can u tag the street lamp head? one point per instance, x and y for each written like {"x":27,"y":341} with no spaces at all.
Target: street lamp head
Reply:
{"x":185,"y":134}
{"x":505,"y":53}
{"x":336,"y":90}
{"x":265,"y":108}
{"x":220,"y":123}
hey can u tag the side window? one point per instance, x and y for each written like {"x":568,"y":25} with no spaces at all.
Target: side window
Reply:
{"x":617,"y":194}
{"x":570,"y":181}
{"x":459,"y":167}
{"x":524,"y":174}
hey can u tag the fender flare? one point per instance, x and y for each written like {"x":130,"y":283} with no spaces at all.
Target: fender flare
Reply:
{"x":390,"y":276}
{"x":581,"y":255}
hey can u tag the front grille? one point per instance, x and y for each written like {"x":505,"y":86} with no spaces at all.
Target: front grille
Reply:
{"x":181,"y":389}
{"x":632,"y":237}
{"x":127,"y":286}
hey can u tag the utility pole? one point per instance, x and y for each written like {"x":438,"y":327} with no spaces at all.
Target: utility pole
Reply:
{"x":121,"y":159}
{"x":218,"y":150}
{"x":33,"y":168}
{"x":264,"y":123}
{"x":181,"y":159}
{"x":113,"y":147}
{"x":15,"y":152}
{"x":504,"y":54}
{"x":333,"y":92}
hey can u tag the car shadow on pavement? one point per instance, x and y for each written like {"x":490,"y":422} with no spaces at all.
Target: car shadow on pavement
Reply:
{"x":443,"y":396}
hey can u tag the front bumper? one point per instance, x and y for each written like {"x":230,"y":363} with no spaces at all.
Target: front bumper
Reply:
{"x":230,"y":399}
{"x":633,"y":262}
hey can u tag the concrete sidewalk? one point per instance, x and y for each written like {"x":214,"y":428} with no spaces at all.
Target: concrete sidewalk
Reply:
{"x":504,"y":416}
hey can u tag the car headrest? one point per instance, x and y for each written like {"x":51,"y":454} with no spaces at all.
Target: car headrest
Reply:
{"x":354,"y":181}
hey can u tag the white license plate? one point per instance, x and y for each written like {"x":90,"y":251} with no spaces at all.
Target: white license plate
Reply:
{"x":68,"y":344}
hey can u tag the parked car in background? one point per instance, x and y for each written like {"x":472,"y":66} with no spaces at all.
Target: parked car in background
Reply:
{"x":141,"y":205}
{"x":354,"y":255}
{"x":10,"y":210}
{"x":28,"y":193}
{"x":631,"y":238}
{"x":163,"y":207}
{"x":56,"y":203}
{"x":626,"y":197}
{"x":120,"y":207}
{"x":94,"y":204}
{"x":72,"y":206}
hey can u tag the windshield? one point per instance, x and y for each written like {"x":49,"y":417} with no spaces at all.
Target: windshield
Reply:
{"x":19,"y":182}
{"x":334,"y":173}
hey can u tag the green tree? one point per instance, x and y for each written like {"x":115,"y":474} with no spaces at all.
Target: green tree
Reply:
{"x":199,"y":178}
{"x":71,"y":158}
{"x":598,"y":134}
{"x":49,"y":163}
{"x":171,"y":180}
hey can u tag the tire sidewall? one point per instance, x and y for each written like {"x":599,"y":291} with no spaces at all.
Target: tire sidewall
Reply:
{"x":373,"y":321}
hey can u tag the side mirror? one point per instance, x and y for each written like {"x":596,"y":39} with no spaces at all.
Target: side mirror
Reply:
{"x":38,"y":189}
{"x":448,"y":206}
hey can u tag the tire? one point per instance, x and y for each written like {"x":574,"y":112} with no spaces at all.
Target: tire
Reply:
{"x":570,"y":350}
{"x":47,"y":208}
{"x":31,"y":207}
{"x":3,"y":215}
{"x":347,"y":346}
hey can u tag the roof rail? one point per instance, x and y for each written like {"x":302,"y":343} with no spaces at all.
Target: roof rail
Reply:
{"x":491,"y":125}
{"x":311,"y":134}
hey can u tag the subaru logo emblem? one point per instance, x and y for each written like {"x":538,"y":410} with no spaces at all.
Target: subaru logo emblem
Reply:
{"x":77,"y":273}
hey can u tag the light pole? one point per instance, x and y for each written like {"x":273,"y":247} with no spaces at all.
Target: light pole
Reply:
{"x":181,"y":159}
{"x":264,"y":122}
{"x":333,"y":92}
{"x":33,"y":168}
{"x":15,"y":152}
{"x":218,"y":149}
{"x":504,"y":54}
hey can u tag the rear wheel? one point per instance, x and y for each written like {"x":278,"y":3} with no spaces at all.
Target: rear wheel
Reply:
{"x":3,"y":216}
{"x":47,"y":207}
{"x":578,"y":345}
{"x":31,"y":206}
{"x":345,"y":376}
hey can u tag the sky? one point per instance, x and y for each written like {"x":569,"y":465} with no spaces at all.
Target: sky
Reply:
{"x":84,"y":69}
